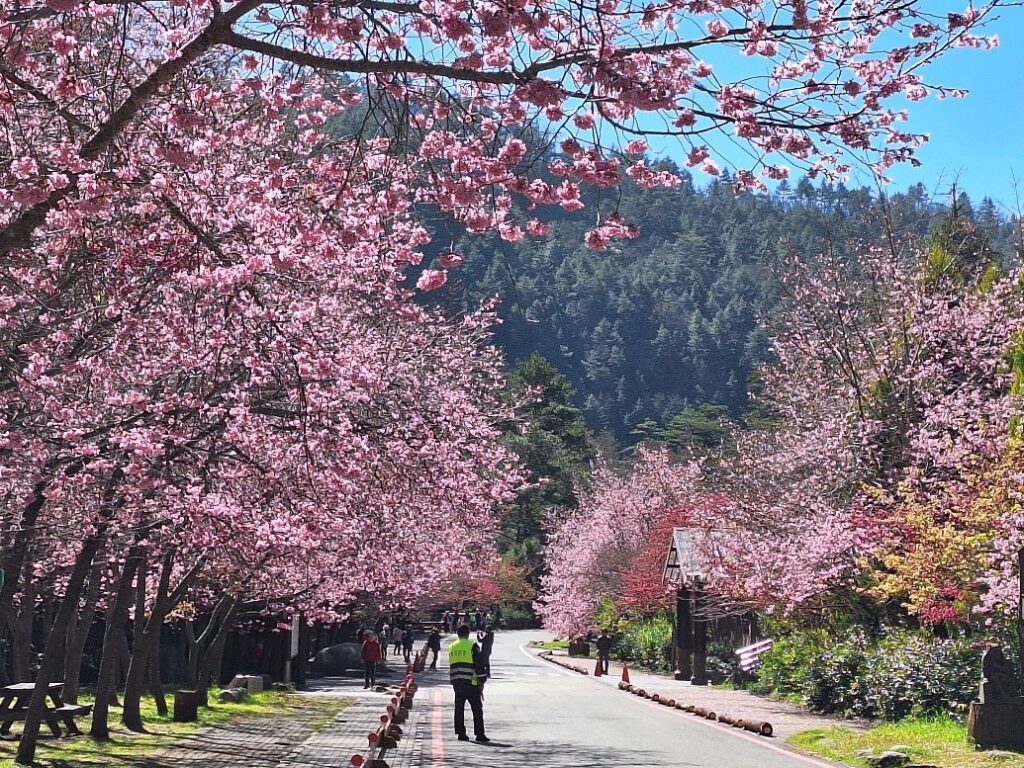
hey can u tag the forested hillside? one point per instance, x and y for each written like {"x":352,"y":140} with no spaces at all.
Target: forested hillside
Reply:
{"x":652,"y":328}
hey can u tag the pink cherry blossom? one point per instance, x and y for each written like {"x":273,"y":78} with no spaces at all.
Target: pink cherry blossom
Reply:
{"x":432,"y":279}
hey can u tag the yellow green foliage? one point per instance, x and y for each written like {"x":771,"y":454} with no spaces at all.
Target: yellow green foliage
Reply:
{"x":943,"y":548}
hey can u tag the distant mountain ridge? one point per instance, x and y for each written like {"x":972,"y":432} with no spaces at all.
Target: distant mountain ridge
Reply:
{"x":666,"y":322}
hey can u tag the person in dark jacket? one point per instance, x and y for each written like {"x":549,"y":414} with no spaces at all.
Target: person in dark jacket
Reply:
{"x":434,"y":644}
{"x":396,"y":639}
{"x":408,"y":640}
{"x":486,"y":640}
{"x":370,"y":655}
{"x":604,"y":650}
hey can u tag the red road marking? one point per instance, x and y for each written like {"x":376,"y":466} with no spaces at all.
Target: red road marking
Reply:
{"x":437,"y":730}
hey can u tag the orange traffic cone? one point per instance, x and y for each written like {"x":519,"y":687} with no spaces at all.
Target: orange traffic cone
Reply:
{"x":597,"y":669}
{"x":625,"y":672}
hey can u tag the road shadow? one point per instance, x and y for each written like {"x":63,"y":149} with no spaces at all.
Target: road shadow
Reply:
{"x":508,"y":753}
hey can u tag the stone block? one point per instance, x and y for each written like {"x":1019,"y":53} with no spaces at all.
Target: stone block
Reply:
{"x":997,"y":725}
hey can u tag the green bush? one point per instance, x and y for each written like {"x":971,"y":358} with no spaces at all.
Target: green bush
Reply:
{"x":910,"y":674}
{"x":721,"y":661}
{"x":901,"y":674}
{"x":786,"y":669}
{"x":836,"y":680}
{"x":647,"y":642}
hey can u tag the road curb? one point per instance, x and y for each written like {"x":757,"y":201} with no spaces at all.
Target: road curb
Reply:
{"x":724,"y":727}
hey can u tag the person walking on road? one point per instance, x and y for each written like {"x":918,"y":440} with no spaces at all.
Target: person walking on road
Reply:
{"x":604,"y":650}
{"x":385,"y":639}
{"x":434,"y":644}
{"x":408,"y":639}
{"x":396,"y":640}
{"x":467,"y":676}
{"x":370,"y":655}
{"x":486,"y":640}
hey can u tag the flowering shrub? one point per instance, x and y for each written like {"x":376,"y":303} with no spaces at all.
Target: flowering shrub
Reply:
{"x":915,"y":675}
{"x":901,"y":674}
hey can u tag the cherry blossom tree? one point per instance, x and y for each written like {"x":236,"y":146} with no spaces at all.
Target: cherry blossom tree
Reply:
{"x":212,"y":377}
{"x":894,"y":402}
{"x":244,"y":393}
{"x":591,"y":549}
{"x":459,"y":86}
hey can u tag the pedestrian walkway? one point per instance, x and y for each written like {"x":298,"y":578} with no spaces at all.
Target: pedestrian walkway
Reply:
{"x":319,"y":728}
{"x":786,"y":719}
{"x":259,"y":742}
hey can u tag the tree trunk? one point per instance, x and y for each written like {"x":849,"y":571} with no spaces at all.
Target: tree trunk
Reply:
{"x":211,"y":662}
{"x":53,"y":652}
{"x":192,"y":662}
{"x":147,"y":637}
{"x":116,"y":618}
{"x":197,"y":646}
{"x":156,"y":687}
{"x":21,"y":636}
{"x":131,"y":715}
{"x":15,"y":559}
{"x":79,"y":635}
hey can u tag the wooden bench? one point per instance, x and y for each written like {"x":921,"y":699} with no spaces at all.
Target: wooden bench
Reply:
{"x":14,"y":701}
{"x":749,"y":656}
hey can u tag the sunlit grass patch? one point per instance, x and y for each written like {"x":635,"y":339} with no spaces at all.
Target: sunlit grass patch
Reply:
{"x":941,"y":741}
{"x":125,"y":747}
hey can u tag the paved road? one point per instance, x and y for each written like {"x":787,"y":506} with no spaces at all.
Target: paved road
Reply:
{"x":540,"y":715}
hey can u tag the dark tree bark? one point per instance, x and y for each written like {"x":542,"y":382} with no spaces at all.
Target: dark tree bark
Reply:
{"x":53,"y":652}
{"x":209,"y":670}
{"x":15,"y":559}
{"x":79,"y":635}
{"x":147,"y":636}
{"x":138,"y":660}
{"x":116,"y":618}
{"x":21,"y":636}
{"x":156,"y":687}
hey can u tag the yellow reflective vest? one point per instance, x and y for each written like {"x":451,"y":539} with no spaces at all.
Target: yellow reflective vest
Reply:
{"x":460,"y":661}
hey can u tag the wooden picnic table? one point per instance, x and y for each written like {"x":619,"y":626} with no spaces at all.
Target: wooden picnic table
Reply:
{"x":14,"y":700}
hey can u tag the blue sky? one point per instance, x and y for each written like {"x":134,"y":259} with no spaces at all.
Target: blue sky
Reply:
{"x":976,"y":142}
{"x":980,"y":138}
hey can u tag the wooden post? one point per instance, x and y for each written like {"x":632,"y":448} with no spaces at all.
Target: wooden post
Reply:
{"x":684,"y":633}
{"x":700,"y":638}
{"x":301,"y":660}
{"x":1020,"y":615}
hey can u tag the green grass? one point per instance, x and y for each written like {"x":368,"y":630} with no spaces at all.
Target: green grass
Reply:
{"x":551,"y":645}
{"x":124,"y":747}
{"x":942,"y":742}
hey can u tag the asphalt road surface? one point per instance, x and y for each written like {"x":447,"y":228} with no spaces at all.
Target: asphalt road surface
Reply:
{"x":540,"y":715}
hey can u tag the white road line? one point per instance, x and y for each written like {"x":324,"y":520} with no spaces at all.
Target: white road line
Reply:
{"x":726,"y":730}
{"x":534,"y":657}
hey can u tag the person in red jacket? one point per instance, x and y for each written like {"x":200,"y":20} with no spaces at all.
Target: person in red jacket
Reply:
{"x":370,"y":655}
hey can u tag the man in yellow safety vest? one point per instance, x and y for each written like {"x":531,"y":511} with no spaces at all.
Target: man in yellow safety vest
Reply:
{"x":467,"y":674}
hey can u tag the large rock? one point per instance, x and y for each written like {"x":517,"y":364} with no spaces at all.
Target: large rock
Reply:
{"x":232,"y":694}
{"x":336,"y":660}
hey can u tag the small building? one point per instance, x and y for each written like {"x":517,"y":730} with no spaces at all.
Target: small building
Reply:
{"x":684,"y":571}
